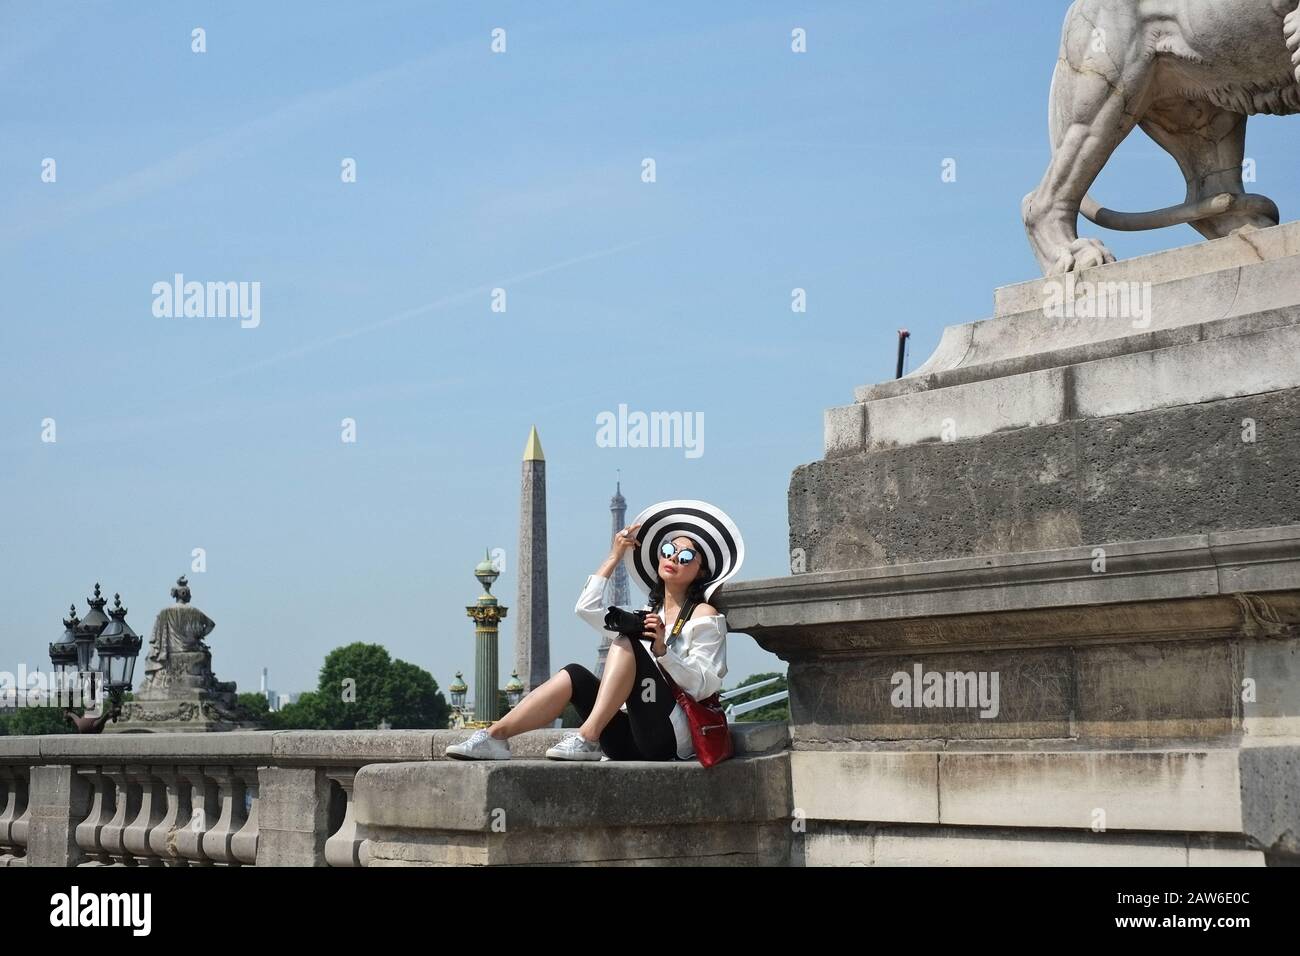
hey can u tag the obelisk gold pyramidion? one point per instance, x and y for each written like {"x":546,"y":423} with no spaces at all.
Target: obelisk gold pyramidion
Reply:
{"x":532,"y":614}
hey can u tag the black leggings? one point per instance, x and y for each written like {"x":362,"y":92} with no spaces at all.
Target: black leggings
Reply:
{"x":645,"y":731}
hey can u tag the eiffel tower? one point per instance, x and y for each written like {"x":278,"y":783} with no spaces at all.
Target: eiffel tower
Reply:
{"x":621,"y":592}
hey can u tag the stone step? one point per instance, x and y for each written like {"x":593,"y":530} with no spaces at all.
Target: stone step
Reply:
{"x":1216,"y":366}
{"x":1168,"y":265}
{"x":1166,"y":312}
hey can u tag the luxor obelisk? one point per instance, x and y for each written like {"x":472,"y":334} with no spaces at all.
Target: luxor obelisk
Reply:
{"x":533,"y":631}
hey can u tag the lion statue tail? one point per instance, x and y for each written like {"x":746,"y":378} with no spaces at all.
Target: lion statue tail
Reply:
{"x":1184,"y":212}
{"x":1211,"y":206}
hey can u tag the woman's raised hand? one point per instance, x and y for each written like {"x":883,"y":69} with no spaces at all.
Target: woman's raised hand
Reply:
{"x":625,"y":540}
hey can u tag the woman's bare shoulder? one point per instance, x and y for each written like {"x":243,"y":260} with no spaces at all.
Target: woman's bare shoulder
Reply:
{"x":705,"y":610}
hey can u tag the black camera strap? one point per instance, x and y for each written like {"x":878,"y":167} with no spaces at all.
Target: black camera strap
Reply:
{"x":683,"y":615}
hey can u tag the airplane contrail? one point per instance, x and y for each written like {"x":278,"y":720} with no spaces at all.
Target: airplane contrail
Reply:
{"x":422,"y":310}
{"x":230,"y":143}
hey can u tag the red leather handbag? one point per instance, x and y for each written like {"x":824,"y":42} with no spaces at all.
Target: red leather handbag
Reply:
{"x":710,"y":732}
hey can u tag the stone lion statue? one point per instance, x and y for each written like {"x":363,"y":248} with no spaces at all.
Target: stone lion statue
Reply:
{"x":1189,"y":72}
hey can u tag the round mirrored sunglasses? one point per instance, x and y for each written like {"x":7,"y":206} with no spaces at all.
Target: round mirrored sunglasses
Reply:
{"x":681,"y":556}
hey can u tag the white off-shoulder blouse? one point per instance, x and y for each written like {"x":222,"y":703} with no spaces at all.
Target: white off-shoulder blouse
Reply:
{"x":696,"y":658}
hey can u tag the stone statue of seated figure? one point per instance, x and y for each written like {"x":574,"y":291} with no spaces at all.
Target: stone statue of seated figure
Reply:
{"x":177,"y":654}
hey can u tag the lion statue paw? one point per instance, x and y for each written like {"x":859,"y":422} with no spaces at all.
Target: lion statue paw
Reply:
{"x":1082,"y":254}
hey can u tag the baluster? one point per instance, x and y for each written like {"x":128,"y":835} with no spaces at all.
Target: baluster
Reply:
{"x":21,"y":827}
{"x":126,"y":809}
{"x":8,"y":793}
{"x":216,"y":841}
{"x":244,"y":844}
{"x":162,"y":838}
{"x":343,"y":847}
{"x":203,"y":802}
{"x":102,"y":808}
{"x":153,"y":810}
{"x":13,"y":814}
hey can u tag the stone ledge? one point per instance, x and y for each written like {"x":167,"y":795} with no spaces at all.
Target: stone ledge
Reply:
{"x":950,"y":370}
{"x":1225,"y":298}
{"x":902,"y":845}
{"x":1209,"y":369}
{"x":83,"y":748}
{"x":1186,"y":789}
{"x":522,"y":812}
{"x":313,"y":747}
{"x":457,"y":795}
{"x":1184,"y":586}
{"x":1170,"y":265}
{"x":716,"y":844}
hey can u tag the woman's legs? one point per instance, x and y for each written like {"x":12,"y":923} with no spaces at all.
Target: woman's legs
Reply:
{"x":650,"y":707}
{"x":613,"y":689}
{"x":645,"y":732}
{"x":597,"y":701}
{"x":538,"y":708}
{"x":616,"y":739}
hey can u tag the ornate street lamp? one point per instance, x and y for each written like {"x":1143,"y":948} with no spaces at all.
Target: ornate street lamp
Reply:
{"x":63,"y":655}
{"x":117,"y":647}
{"x":458,"y":690}
{"x":514,"y":690}
{"x":89,"y":629}
{"x":101,"y":649}
{"x":486,"y":572}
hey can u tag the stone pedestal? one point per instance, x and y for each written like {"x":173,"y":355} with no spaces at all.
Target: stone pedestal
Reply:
{"x":1048,"y":607}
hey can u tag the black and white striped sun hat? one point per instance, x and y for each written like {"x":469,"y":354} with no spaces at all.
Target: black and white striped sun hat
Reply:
{"x":709,"y":527}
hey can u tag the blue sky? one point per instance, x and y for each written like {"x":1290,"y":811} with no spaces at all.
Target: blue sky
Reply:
{"x":477,"y":170}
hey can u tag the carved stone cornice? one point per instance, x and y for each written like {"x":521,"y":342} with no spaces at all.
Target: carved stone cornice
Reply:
{"x":1243,"y":583}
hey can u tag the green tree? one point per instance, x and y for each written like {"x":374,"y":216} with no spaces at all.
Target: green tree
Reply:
{"x":777,"y":711}
{"x":35,"y":721}
{"x":570,"y":717}
{"x":254,"y":707}
{"x":361,"y":685}
{"x":303,"y":714}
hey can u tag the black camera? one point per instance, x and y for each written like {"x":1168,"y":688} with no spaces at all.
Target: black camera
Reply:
{"x":629,"y":623}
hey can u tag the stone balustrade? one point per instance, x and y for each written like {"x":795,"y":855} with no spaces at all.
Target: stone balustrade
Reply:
{"x":279,"y":798}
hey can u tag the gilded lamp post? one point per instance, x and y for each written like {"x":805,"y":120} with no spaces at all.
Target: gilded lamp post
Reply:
{"x":487,"y":613}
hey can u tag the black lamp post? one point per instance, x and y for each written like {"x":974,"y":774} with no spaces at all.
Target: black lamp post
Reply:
{"x":101,"y":649}
{"x":63,"y":655}
{"x":117,"y":648}
{"x":88,"y":630}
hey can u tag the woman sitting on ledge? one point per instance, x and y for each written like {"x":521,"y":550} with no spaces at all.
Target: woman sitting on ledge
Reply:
{"x":631,"y":713}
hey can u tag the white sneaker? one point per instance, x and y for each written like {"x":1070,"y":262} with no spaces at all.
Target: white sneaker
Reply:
{"x":480,"y":746}
{"x":575,"y":747}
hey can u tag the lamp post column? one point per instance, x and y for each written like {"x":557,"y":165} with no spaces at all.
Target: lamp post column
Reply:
{"x":487,"y":614}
